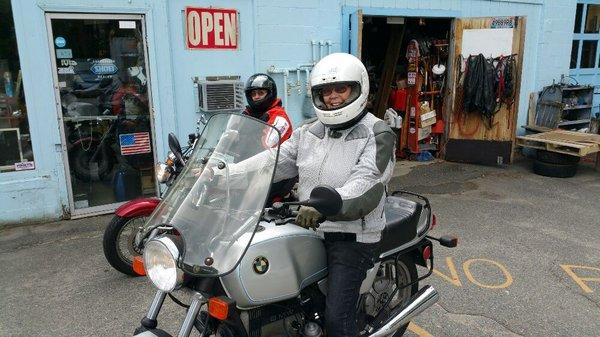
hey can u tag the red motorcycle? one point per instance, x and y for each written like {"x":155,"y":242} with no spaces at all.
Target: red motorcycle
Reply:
{"x":119,"y":236}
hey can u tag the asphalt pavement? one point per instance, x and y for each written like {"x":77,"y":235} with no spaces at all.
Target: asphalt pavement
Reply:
{"x":528,"y":262}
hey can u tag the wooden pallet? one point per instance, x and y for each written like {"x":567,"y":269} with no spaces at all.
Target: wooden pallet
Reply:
{"x":568,"y":142}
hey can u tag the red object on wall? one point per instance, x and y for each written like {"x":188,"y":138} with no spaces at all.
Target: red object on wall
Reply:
{"x":438,"y":127}
{"x":398,"y":99}
{"x":211,"y":28}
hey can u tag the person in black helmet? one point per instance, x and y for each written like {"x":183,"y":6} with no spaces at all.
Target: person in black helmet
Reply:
{"x":263,"y":103}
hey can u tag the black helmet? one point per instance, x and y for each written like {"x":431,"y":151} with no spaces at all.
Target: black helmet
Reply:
{"x":260,"y":81}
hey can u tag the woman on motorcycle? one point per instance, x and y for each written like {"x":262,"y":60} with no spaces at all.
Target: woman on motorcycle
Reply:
{"x":351,"y":150}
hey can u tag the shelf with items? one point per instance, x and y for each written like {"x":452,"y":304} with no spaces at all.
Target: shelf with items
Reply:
{"x":575,"y":122}
{"x":89,"y":118}
{"x":564,"y":107}
{"x":585,"y":106}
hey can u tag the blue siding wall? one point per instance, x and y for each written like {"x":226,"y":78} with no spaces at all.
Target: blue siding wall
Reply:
{"x":274,"y":35}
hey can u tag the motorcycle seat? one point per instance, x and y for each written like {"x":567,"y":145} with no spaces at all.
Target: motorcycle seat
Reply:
{"x":402,"y":219}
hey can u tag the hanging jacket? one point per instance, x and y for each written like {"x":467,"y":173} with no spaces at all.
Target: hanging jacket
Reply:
{"x":480,"y":86}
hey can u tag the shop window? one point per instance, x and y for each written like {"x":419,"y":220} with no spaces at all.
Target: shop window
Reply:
{"x":574,"y":54}
{"x":588,"y":54}
{"x":592,"y":19}
{"x":15,"y":140}
{"x":578,"y":15}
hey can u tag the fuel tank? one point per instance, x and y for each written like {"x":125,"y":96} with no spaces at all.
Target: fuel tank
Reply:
{"x":280,"y":262}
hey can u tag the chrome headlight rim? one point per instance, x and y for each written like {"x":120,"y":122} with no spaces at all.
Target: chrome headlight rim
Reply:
{"x":167,"y":247}
{"x":163,"y":172}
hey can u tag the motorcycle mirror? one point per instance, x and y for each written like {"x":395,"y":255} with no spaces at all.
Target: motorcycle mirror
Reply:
{"x":325,"y":199}
{"x":175,"y":147}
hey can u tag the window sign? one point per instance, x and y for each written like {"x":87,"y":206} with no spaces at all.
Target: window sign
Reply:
{"x":211,"y":28}
{"x":60,"y":42}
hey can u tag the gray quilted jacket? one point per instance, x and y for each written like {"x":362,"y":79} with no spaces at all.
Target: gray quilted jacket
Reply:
{"x":358,"y":162}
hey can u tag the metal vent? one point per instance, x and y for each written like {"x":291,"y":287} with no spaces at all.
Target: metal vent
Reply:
{"x":220,"y":94}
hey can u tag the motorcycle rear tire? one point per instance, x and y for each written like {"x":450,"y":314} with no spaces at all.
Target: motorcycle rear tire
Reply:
{"x":110,"y":243}
{"x":407,"y":270}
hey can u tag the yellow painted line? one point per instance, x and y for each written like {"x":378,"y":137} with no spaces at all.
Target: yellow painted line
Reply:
{"x":568,"y":268}
{"x":508,"y":280}
{"x":412,"y":327}
{"x":453,"y":278}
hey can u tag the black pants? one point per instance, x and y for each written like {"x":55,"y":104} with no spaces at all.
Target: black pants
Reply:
{"x":347,"y":262}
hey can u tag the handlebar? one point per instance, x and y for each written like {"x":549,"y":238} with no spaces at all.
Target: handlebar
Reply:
{"x":281,"y":215}
{"x":291,"y":218}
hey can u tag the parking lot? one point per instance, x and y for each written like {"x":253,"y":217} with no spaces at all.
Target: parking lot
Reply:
{"x":527,"y":264}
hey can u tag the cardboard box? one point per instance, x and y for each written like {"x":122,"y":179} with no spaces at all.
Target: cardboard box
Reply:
{"x":424,"y":132}
{"x":428,"y":118}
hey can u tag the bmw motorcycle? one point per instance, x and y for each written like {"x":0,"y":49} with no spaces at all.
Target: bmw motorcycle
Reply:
{"x":240,"y":269}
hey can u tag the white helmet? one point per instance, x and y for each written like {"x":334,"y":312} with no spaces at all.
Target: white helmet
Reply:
{"x":340,"y":68}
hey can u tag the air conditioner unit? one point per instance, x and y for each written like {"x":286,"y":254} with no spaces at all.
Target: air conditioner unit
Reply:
{"x":223,"y":93}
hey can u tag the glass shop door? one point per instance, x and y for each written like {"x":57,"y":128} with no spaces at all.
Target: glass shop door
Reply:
{"x":103,"y":96}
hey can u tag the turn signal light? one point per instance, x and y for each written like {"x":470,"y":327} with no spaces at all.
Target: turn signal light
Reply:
{"x":218,"y":307}
{"x":433,"y":221}
{"x":138,"y":265}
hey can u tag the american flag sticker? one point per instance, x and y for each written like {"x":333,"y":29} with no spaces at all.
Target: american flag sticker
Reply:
{"x":135,"y":143}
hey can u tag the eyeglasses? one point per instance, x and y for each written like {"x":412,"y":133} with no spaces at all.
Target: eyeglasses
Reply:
{"x":340,"y":89}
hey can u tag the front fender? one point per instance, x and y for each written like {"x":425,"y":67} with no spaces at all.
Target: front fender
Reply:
{"x":137,"y":207}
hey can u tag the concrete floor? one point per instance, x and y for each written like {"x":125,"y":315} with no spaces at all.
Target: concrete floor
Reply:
{"x":521,"y":237}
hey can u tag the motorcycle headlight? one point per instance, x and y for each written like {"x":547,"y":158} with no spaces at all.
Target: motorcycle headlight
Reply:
{"x":160,"y":261}
{"x":163,"y":172}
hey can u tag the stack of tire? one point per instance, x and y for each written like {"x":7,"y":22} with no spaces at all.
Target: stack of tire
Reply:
{"x":554,"y":164}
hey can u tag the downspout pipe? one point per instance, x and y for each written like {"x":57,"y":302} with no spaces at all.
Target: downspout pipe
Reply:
{"x":313,"y":43}
{"x":321,"y":44}
{"x":286,"y":73}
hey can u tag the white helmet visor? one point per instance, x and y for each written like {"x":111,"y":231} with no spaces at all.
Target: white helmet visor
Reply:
{"x":336,"y":95}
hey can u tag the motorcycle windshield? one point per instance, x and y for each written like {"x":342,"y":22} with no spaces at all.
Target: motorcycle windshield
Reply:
{"x":216,"y":202}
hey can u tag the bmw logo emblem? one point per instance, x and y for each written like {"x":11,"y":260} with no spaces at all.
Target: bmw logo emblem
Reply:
{"x":260,"y":265}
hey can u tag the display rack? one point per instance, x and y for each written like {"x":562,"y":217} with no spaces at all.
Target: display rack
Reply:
{"x":565,"y":107}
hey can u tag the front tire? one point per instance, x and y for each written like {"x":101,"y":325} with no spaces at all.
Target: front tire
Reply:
{"x":119,"y":243}
{"x":388,"y":275}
